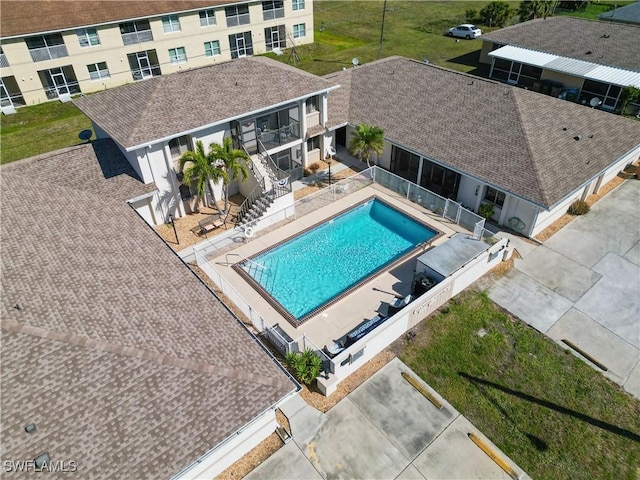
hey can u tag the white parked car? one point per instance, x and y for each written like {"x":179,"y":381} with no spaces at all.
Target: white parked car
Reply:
{"x":466,"y":30}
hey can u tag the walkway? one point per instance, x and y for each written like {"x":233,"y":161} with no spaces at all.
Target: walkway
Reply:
{"x":583,"y":285}
{"x":383,"y":429}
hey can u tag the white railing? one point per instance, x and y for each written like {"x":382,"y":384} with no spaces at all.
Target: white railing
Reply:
{"x":137,"y":37}
{"x":241,"y":19}
{"x":273,"y":14}
{"x":48,"y":53}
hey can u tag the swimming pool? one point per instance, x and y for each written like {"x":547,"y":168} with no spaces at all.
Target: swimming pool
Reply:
{"x":320,"y":265}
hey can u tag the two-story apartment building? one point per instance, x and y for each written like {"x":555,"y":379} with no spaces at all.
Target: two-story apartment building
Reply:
{"x":54,"y":49}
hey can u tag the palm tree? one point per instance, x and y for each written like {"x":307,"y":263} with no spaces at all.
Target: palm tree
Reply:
{"x":367,"y":139}
{"x":234,"y":161}
{"x":202,"y":168}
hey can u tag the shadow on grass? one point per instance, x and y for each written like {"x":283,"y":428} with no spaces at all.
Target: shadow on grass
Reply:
{"x":472,"y":59}
{"x":552,"y":406}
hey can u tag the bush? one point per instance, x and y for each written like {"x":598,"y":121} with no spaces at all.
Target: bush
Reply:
{"x":306,"y":365}
{"x":486,"y":210}
{"x":579,"y":207}
{"x":496,"y":13}
{"x":471,"y":15}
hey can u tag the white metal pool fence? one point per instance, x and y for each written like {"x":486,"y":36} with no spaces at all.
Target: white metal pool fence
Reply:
{"x":443,"y":207}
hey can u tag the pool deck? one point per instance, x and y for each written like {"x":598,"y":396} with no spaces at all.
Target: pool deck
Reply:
{"x":364,"y":302}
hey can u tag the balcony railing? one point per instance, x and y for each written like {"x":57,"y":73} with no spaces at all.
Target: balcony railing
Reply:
{"x":242,"y":19}
{"x":48,"y":53}
{"x":4,"y":63}
{"x":273,"y":13}
{"x":137,"y":37}
{"x":99,"y":74}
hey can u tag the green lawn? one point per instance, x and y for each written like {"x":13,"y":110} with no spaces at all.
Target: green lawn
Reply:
{"x":554,"y":415}
{"x":39,"y":129}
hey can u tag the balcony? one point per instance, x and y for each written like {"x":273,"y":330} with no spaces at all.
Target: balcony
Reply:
{"x":48,"y":53}
{"x":137,"y":37}
{"x":242,"y":19}
{"x":273,"y":14}
{"x":4,"y":63}
{"x":71,"y":88}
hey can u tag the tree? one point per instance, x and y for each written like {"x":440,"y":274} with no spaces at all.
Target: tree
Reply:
{"x":366,"y":140}
{"x":200,"y":167}
{"x":630,"y":94}
{"x":495,"y":13}
{"x":530,"y":9}
{"x":234,"y":161}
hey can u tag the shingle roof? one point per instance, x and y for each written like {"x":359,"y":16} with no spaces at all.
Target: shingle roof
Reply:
{"x":627,"y":14}
{"x":123,"y":358}
{"x":603,"y":43}
{"x":506,"y":136}
{"x":53,"y":15}
{"x":168,"y":105}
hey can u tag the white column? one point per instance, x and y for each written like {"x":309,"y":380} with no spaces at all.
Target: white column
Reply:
{"x":173,"y":181}
{"x":505,"y":207}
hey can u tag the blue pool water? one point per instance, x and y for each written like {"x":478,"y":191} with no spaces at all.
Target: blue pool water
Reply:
{"x":315,"y":267}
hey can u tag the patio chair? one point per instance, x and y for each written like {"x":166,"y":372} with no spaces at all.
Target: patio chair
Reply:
{"x":399,"y":303}
{"x":211,"y":223}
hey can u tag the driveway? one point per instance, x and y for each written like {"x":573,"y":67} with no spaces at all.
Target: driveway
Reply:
{"x":583,"y":286}
{"x":384,"y":429}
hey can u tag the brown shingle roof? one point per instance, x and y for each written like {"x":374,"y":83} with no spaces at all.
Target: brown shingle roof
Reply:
{"x":165,"y":106}
{"x":610,"y":44}
{"x":123,"y":358}
{"x":21,"y":17}
{"x":506,"y":136}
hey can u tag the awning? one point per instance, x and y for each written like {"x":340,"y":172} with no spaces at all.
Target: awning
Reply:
{"x":570,"y":66}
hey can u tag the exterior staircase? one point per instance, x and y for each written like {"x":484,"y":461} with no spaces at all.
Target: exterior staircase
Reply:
{"x":270,"y":186}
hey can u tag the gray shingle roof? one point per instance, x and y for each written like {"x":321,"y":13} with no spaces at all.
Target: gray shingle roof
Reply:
{"x":609,"y":44}
{"x":167,"y":105}
{"x":506,"y":136}
{"x":627,"y":14}
{"x":123,"y":358}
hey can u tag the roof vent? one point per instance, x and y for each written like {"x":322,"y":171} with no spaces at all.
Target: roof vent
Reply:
{"x":30,"y":428}
{"x":564,"y":129}
{"x":577,"y":137}
{"x":42,"y":459}
{"x":588,"y":52}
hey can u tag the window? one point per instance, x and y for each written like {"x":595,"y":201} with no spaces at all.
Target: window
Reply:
{"x":212,"y":48}
{"x":98,"y":71}
{"x":298,"y":4}
{"x":179,"y":145}
{"x":311,"y":105}
{"x":207,"y":18}
{"x":46,"y":47}
{"x":177,"y":55}
{"x":609,"y":95}
{"x":136,"y":32}
{"x":494,"y":196}
{"x":299,"y":30}
{"x":88,"y":37}
{"x":170,"y":24}
{"x":275,"y":37}
{"x":237,"y":15}
{"x":272,"y":9}
{"x":313,"y":143}
{"x":241,"y":44}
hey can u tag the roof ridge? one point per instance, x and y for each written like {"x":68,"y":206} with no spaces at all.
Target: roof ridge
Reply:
{"x":168,"y":360}
{"x":527,"y":141}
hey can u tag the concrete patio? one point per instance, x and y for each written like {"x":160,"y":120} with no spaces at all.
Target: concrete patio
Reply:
{"x":583,"y":285}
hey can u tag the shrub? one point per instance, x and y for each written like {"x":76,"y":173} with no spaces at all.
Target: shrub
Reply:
{"x":314,"y":167}
{"x":486,"y":210}
{"x":471,"y":15}
{"x":579,"y":207}
{"x":306,"y":365}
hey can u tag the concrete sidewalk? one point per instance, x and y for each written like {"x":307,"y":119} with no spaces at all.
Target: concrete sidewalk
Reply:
{"x":583,"y":285}
{"x":384,"y":429}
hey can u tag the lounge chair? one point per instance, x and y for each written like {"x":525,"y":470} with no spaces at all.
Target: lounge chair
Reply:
{"x":334,"y":349}
{"x":399,"y":303}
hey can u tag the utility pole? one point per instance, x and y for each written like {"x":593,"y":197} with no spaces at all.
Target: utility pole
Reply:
{"x":384,"y":10}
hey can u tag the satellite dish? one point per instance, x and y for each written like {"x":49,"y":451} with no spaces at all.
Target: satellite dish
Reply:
{"x":355,"y":61}
{"x":85,"y":135}
{"x":277,"y":51}
{"x":594,"y":102}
